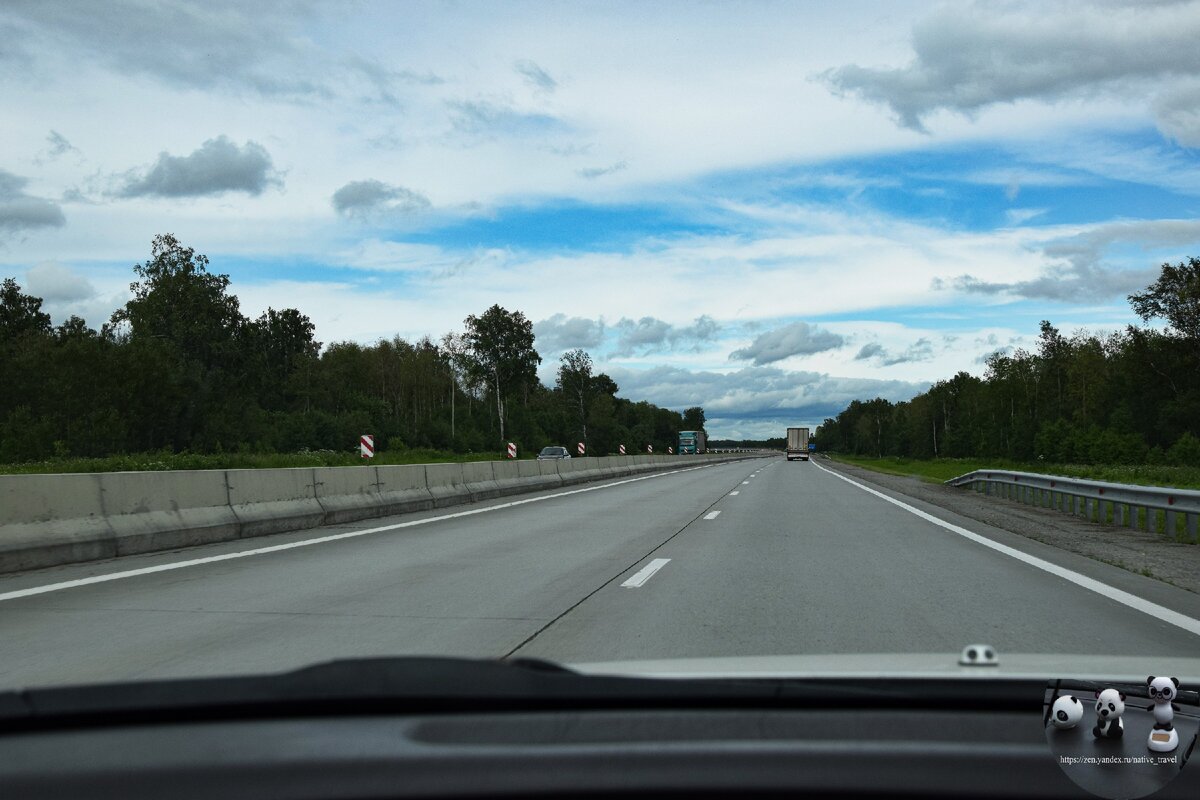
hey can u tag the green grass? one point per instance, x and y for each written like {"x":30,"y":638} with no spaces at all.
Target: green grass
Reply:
{"x":943,"y":469}
{"x":142,"y":462}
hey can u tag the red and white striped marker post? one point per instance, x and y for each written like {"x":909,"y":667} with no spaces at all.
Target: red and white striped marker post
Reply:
{"x":512,"y":450}
{"x":649,"y":448}
{"x":670,"y":451}
{"x":621,"y":449}
{"x":580,"y":448}
{"x":366,"y":446}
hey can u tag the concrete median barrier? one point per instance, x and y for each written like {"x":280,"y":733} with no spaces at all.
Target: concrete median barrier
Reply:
{"x":403,"y":489}
{"x":347,"y":494}
{"x":47,"y":520}
{"x":274,"y":500}
{"x":149,"y":511}
{"x":52,"y":519}
{"x":480,"y":480}
{"x":446,"y":484}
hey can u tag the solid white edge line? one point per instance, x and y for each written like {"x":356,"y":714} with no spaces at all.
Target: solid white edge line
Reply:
{"x":644,"y":574}
{"x":712,"y":515}
{"x":1160,"y":613}
{"x":194,"y":562}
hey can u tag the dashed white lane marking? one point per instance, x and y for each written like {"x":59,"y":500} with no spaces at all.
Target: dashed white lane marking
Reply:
{"x":712,"y":515}
{"x":1124,"y":598}
{"x":735,"y":492}
{"x":645,"y":573}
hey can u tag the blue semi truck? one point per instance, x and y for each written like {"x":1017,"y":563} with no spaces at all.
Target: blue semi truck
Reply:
{"x":691,"y":442}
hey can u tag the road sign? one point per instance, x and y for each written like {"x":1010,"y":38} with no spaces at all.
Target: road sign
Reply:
{"x":649,"y":448}
{"x":580,"y":448}
{"x":670,"y":451}
{"x":621,"y":449}
{"x":366,"y":446}
{"x":812,"y":446}
{"x":512,"y":450}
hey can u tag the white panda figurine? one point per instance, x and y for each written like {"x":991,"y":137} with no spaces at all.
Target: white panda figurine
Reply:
{"x":1163,"y":736}
{"x":1066,"y":712}
{"x":1110,"y":705}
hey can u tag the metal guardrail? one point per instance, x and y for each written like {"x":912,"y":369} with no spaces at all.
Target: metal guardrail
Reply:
{"x":1124,"y":504}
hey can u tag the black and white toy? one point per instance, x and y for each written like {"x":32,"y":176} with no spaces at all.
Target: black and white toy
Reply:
{"x":1163,"y":736}
{"x":1066,"y":712}
{"x":1110,"y":705}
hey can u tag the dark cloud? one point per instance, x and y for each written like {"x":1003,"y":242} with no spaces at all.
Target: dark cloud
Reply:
{"x":22,"y":212}
{"x":597,"y":172}
{"x":216,"y":44}
{"x":920,"y":350}
{"x":218,"y":166}
{"x":796,"y":339}
{"x":649,"y":334}
{"x":372,"y":197}
{"x":560,"y":332}
{"x":869,"y":351}
{"x":967,"y":58}
{"x":260,"y":48}
{"x":58,"y":145}
{"x":537,"y":77}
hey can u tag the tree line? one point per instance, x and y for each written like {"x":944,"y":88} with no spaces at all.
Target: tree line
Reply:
{"x":180,"y":368}
{"x":1128,"y":397}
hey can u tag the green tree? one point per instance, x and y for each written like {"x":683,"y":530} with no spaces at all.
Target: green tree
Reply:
{"x":20,"y":314}
{"x":502,"y":355}
{"x":575,"y":383}
{"x":1174,"y":297}
{"x":693,"y":419}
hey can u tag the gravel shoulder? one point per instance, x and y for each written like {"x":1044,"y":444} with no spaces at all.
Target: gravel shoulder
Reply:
{"x":1141,"y":552}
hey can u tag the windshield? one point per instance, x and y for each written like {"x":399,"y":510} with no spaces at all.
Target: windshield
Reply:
{"x":295,"y":295}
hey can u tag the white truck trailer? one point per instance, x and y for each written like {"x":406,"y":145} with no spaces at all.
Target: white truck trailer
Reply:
{"x":797,"y":444}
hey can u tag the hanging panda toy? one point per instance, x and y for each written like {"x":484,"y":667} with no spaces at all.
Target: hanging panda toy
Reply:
{"x":1163,"y":736}
{"x":1110,"y":705}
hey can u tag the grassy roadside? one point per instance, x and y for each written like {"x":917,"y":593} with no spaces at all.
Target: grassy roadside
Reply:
{"x":143,"y":462}
{"x":943,"y":469}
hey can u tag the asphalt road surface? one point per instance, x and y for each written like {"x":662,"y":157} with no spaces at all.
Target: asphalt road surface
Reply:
{"x":757,"y":557}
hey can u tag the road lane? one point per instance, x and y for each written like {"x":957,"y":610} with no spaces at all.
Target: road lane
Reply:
{"x":475,"y":585}
{"x":803,"y":562}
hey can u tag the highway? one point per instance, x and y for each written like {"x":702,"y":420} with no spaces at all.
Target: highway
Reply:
{"x":756,"y":557}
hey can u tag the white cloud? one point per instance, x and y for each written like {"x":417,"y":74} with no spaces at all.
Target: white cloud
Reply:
{"x":54,"y":283}
{"x":1076,"y":270}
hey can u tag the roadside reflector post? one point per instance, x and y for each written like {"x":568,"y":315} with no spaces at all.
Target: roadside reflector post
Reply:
{"x":512,"y":450}
{"x":649,"y":448}
{"x":579,"y":447}
{"x":366,"y":446}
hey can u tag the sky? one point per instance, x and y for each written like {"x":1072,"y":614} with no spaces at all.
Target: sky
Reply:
{"x":765,"y":209}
